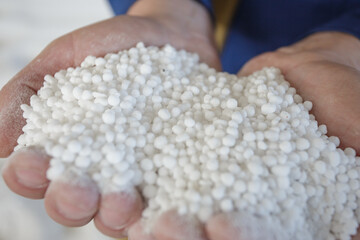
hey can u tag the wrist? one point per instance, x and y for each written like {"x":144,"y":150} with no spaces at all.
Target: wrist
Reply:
{"x":186,"y":17}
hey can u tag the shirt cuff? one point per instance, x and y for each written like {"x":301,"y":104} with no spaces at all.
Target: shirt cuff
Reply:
{"x":348,"y":22}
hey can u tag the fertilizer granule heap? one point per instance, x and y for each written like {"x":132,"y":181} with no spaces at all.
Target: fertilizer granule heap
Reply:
{"x":197,"y":140}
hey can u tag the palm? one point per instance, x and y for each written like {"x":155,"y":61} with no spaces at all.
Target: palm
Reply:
{"x":75,"y":205}
{"x":334,"y":89}
{"x":108,"y":36}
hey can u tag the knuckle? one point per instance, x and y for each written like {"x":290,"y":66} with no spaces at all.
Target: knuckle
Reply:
{"x":269,"y":57}
{"x":286,"y":50}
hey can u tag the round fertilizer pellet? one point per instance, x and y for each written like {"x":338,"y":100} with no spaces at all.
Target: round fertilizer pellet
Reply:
{"x":286,"y":146}
{"x":280,"y":170}
{"x":108,"y":117}
{"x":189,"y":122}
{"x":231,"y":103}
{"x":147,"y":90}
{"x":114,"y":156}
{"x":145,"y":69}
{"x":55,"y":171}
{"x":249,"y":136}
{"x":164,"y":114}
{"x":227,"y":179}
{"x":169,"y":162}
{"x":113,"y":100}
{"x":146,"y":164}
{"x":160,"y":142}
{"x":74,"y":146}
{"x":150,"y":177}
{"x":229,"y":141}
{"x":212,"y":164}
{"x":107,"y":77}
{"x":320,"y":167}
{"x":196,"y":140}
{"x":218,"y":193}
{"x":226,"y":205}
{"x":268,"y":108}
{"x":302,"y":144}
{"x":237,"y":116}
{"x":334,"y":158}
{"x":255,"y":168}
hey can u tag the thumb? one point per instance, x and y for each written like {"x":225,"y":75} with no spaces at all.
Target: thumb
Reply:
{"x":268,"y":59}
{"x":25,"y":84}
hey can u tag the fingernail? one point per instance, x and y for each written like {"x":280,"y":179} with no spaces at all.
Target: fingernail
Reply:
{"x":67,"y":210}
{"x":180,"y":227}
{"x":119,"y":218}
{"x":76,"y":203}
{"x":140,"y":231}
{"x":31,"y":178}
{"x":112,"y":225}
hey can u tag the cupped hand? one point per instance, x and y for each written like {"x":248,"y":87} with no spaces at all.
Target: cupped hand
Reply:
{"x":75,"y":200}
{"x":327,"y":78}
{"x":325,"y":69}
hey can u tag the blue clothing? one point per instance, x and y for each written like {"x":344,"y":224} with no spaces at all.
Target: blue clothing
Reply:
{"x":264,"y":25}
{"x":121,"y":6}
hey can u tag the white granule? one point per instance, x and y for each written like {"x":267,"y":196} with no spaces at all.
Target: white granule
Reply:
{"x":199,"y":141}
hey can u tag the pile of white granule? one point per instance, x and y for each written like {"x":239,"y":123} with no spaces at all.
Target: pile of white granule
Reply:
{"x":197,"y":140}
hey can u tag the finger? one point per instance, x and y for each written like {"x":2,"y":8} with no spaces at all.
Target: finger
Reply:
{"x":244,"y":226}
{"x":219,"y":227}
{"x":137,"y":232}
{"x":269,"y":59}
{"x":340,"y":112}
{"x":25,"y":173}
{"x":11,"y":115}
{"x":72,"y":200}
{"x":357,"y":236}
{"x":207,"y":54}
{"x":171,"y":226}
{"x":255,"y":64}
{"x":117,"y":212}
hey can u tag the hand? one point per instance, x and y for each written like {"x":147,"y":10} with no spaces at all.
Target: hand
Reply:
{"x":185,"y":24}
{"x":325,"y":69}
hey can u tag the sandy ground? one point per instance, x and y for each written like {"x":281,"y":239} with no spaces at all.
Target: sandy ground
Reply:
{"x":26,"y":27}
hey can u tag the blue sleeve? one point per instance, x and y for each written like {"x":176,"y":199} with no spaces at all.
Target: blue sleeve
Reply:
{"x":348,"y":22}
{"x":121,"y":6}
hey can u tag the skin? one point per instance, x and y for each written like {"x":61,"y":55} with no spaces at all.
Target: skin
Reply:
{"x":323,"y":67}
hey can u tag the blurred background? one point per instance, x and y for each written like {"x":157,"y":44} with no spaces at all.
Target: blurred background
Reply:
{"x":26,"y":27}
